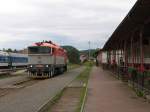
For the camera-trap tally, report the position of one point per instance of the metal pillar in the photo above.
(142, 58)
(141, 52)
(132, 52)
(125, 54)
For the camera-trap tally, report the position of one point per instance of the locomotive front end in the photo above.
(41, 61)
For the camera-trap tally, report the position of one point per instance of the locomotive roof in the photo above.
(48, 44)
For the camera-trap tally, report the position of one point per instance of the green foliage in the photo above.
(140, 93)
(140, 75)
(131, 70)
(73, 54)
(15, 51)
(147, 73)
(95, 53)
(72, 66)
(83, 92)
(84, 77)
(10, 50)
(89, 63)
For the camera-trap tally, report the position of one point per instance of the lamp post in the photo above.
(89, 49)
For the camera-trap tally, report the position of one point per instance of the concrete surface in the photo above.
(31, 98)
(107, 94)
(12, 80)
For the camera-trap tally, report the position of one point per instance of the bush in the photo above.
(73, 54)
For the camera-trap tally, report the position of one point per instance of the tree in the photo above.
(95, 53)
(9, 50)
(73, 54)
(15, 51)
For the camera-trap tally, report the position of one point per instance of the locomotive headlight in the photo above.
(47, 66)
(31, 66)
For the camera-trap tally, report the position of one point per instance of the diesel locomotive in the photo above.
(46, 59)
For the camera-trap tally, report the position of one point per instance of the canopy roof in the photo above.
(138, 16)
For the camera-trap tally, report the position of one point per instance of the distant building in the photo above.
(83, 58)
(24, 51)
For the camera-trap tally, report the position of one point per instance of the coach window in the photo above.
(1, 60)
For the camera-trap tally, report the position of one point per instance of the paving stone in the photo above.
(107, 94)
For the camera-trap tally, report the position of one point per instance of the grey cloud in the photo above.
(64, 21)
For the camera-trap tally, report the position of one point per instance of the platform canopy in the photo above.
(137, 18)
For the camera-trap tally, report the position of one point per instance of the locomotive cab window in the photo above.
(39, 50)
(52, 50)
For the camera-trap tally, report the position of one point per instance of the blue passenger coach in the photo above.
(9, 60)
(4, 63)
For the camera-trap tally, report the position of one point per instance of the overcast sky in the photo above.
(66, 22)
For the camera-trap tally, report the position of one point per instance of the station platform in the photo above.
(108, 94)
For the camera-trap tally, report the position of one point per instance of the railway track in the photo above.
(7, 71)
(25, 83)
(36, 94)
(1, 70)
(5, 91)
(17, 85)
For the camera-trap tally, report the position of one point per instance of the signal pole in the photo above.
(89, 49)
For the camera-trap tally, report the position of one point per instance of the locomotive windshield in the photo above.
(39, 50)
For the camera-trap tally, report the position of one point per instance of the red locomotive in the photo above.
(46, 59)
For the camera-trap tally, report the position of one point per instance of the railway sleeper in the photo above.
(48, 74)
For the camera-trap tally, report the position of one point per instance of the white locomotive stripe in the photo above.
(3, 64)
(19, 64)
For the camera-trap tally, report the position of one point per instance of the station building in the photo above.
(127, 51)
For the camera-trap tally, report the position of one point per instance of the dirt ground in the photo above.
(107, 94)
